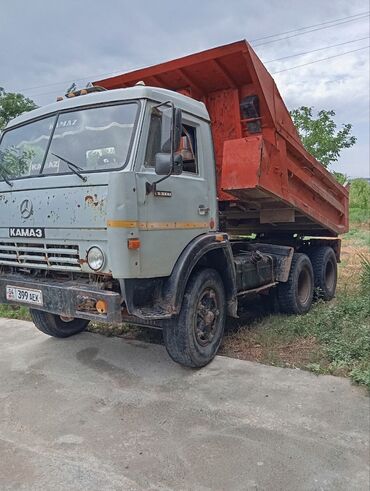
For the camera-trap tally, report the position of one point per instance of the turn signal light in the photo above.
(133, 243)
(101, 306)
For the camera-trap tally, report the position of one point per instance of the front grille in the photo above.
(59, 257)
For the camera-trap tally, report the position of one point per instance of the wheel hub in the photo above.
(206, 317)
(209, 318)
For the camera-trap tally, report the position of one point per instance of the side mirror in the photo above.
(171, 129)
(166, 161)
(164, 165)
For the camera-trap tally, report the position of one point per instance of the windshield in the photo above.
(93, 139)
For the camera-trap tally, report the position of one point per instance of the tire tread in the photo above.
(318, 256)
(286, 291)
(177, 338)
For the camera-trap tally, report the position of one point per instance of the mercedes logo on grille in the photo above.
(26, 208)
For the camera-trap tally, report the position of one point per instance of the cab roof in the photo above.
(118, 95)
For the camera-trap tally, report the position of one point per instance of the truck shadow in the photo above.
(255, 309)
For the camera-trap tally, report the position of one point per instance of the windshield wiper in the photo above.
(73, 167)
(4, 174)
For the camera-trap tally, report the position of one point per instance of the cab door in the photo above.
(183, 206)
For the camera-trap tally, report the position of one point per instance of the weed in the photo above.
(14, 312)
(365, 273)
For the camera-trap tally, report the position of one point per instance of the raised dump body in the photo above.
(267, 182)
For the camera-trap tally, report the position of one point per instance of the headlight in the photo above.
(95, 258)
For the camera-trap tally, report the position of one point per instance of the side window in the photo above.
(187, 148)
(154, 139)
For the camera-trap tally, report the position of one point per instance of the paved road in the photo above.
(97, 413)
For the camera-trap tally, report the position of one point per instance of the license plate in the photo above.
(26, 295)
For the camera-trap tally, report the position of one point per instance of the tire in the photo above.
(325, 272)
(295, 296)
(53, 325)
(194, 336)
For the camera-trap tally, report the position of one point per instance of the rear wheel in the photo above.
(57, 326)
(295, 296)
(194, 336)
(324, 264)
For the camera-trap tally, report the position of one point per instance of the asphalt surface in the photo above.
(98, 413)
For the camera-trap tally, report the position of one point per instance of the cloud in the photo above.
(48, 45)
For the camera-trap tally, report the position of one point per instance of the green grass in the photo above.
(359, 215)
(365, 273)
(14, 312)
(359, 236)
(333, 338)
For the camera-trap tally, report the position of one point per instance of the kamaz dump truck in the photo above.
(165, 197)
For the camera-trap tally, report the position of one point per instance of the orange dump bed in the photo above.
(267, 181)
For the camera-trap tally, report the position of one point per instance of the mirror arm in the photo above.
(151, 187)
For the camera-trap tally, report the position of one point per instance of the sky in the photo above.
(46, 45)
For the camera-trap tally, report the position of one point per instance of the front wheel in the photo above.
(194, 336)
(54, 325)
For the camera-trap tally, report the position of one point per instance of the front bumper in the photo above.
(69, 298)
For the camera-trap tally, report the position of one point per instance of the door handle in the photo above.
(203, 210)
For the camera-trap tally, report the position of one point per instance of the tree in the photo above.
(12, 105)
(341, 178)
(360, 194)
(319, 134)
